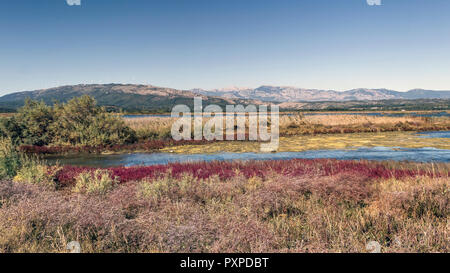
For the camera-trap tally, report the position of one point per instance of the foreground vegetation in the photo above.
(271, 206)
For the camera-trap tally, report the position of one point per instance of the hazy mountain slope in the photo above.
(119, 96)
(293, 94)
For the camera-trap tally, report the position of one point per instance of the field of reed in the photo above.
(154, 127)
(271, 206)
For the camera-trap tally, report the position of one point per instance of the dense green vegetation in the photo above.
(78, 122)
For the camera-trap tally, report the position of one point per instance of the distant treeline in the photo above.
(383, 105)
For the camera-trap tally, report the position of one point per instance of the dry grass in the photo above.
(150, 127)
(332, 120)
(335, 124)
(157, 127)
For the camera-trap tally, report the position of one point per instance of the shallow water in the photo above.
(147, 159)
(438, 134)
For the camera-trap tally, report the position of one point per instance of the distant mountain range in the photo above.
(293, 94)
(148, 98)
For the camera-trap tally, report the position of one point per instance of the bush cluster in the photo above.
(25, 169)
(78, 122)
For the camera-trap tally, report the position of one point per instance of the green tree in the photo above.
(81, 121)
(78, 122)
(32, 124)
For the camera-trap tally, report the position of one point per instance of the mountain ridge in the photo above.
(271, 93)
(148, 98)
(128, 97)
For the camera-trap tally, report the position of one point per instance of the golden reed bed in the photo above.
(315, 124)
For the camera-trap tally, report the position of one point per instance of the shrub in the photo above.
(81, 121)
(167, 185)
(32, 124)
(32, 171)
(97, 182)
(10, 160)
(153, 190)
(78, 122)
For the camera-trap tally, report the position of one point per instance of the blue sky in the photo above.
(326, 44)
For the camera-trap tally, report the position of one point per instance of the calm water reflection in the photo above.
(438, 134)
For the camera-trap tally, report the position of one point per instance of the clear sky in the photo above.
(326, 44)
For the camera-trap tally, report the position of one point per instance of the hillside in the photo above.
(116, 97)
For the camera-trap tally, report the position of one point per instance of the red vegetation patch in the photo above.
(226, 170)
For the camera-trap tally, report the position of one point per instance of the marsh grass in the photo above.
(150, 127)
(337, 124)
(158, 127)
